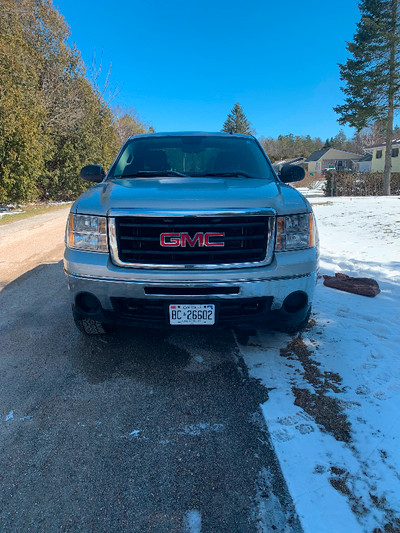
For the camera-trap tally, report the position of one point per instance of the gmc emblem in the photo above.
(174, 240)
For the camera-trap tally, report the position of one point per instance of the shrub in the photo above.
(343, 183)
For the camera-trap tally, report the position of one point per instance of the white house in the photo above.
(325, 158)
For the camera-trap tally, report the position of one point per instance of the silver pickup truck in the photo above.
(191, 229)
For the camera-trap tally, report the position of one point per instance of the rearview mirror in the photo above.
(291, 173)
(93, 173)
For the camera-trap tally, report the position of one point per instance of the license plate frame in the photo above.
(191, 314)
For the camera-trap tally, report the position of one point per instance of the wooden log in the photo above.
(363, 286)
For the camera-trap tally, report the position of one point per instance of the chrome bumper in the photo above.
(95, 273)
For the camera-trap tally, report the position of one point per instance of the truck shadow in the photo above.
(38, 303)
(153, 355)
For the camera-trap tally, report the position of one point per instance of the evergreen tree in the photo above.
(52, 120)
(21, 111)
(372, 74)
(290, 146)
(237, 122)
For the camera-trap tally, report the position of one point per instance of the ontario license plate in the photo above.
(192, 314)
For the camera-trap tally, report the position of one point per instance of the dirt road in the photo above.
(28, 243)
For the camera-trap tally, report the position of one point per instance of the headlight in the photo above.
(296, 232)
(86, 232)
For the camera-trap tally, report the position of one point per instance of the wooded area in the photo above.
(372, 73)
(53, 118)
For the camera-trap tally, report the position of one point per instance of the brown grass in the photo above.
(325, 410)
(30, 211)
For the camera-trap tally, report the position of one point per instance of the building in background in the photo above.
(378, 156)
(296, 161)
(363, 164)
(330, 158)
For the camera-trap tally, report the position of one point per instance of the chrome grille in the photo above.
(248, 240)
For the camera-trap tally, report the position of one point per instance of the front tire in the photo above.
(292, 329)
(89, 326)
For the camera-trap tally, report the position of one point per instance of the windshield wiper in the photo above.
(227, 174)
(151, 173)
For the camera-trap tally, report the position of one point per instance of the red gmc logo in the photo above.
(174, 240)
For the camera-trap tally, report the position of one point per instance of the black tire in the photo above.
(292, 329)
(89, 326)
(243, 337)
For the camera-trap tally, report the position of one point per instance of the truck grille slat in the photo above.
(187, 226)
(245, 239)
(226, 310)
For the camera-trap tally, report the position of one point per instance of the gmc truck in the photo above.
(191, 229)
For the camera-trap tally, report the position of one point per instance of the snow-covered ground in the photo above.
(334, 403)
(8, 210)
(317, 188)
(13, 210)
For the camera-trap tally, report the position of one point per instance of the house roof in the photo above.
(395, 142)
(318, 154)
(294, 161)
(367, 157)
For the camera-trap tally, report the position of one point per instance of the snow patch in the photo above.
(343, 469)
(192, 522)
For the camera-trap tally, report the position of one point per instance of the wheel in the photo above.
(292, 329)
(243, 337)
(89, 326)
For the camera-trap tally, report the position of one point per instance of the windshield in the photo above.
(192, 155)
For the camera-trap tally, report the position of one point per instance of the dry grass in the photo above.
(325, 410)
(30, 211)
(308, 180)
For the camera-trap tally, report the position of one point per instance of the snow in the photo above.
(8, 210)
(334, 395)
(14, 210)
(317, 188)
(192, 522)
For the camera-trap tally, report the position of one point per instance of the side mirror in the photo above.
(93, 173)
(290, 173)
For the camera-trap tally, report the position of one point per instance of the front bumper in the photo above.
(257, 294)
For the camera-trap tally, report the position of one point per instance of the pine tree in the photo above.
(237, 122)
(372, 74)
(52, 120)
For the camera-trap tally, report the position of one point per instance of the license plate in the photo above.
(192, 314)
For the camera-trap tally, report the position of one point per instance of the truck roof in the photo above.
(189, 133)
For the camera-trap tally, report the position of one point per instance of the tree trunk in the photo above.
(388, 154)
(391, 93)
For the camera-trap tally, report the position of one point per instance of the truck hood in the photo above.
(172, 193)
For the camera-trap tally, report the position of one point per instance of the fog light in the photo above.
(87, 302)
(295, 301)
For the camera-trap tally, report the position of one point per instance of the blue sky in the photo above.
(183, 64)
